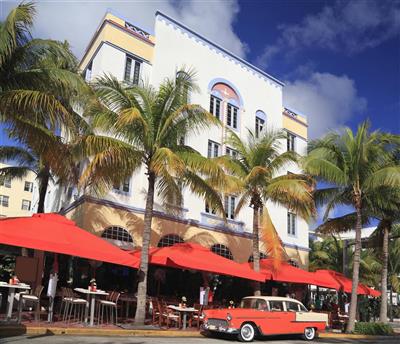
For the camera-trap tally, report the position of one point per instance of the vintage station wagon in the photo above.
(265, 315)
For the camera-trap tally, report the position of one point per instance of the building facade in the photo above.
(17, 196)
(238, 93)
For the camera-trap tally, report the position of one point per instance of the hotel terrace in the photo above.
(238, 93)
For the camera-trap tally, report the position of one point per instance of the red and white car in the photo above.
(263, 316)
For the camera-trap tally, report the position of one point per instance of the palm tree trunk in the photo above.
(356, 267)
(43, 185)
(256, 248)
(144, 259)
(384, 272)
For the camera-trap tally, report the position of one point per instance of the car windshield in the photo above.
(254, 303)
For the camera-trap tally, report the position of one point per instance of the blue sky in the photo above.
(340, 60)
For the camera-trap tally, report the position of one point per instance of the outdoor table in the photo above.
(183, 311)
(91, 299)
(11, 294)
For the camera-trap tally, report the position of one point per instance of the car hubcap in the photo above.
(247, 332)
(309, 333)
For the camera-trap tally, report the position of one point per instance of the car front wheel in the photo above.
(309, 333)
(247, 333)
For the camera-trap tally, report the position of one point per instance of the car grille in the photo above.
(217, 322)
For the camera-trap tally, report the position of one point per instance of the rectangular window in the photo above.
(26, 205)
(231, 116)
(88, 73)
(291, 223)
(291, 142)
(210, 210)
(230, 204)
(28, 186)
(123, 187)
(215, 106)
(213, 149)
(6, 182)
(4, 200)
(259, 126)
(132, 76)
(231, 152)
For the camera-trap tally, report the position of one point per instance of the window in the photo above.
(232, 116)
(117, 233)
(170, 240)
(181, 140)
(294, 263)
(28, 186)
(260, 123)
(123, 187)
(251, 303)
(276, 306)
(213, 149)
(215, 106)
(132, 75)
(231, 152)
(291, 142)
(262, 256)
(26, 205)
(210, 210)
(4, 200)
(88, 72)
(222, 251)
(292, 307)
(5, 181)
(291, 223)
(230, 204)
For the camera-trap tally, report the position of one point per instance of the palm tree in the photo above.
(38, 78)
(255, 176)
(144, 128)
(354, 164)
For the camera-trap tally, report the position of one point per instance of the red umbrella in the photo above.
(55, 233)
(286, 272)
(372, 292)
(196, 257)
(343, 283)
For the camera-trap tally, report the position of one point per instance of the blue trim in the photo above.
(215, 81)
(214, 45)
(261, 114)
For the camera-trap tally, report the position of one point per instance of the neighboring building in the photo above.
(239, 94)
(17, 195)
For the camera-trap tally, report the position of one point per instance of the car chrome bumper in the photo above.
(220, 329)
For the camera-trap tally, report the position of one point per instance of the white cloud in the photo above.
(77, 21)
(328, 100)
(349, 27)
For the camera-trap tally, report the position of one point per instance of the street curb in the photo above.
(50, 331)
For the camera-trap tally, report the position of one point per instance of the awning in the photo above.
(196, 257)
(55, 233)
(373, 292)
(342, 282)
(285, 272)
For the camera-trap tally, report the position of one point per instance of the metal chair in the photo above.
(33, 298)
(74, 307)
(198, 315)
(168, 315)
(110, 305)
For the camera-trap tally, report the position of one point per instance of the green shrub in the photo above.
(370, 328)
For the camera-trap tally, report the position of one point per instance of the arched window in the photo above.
(262, 256)
(224, 99)
(222, 250)
(293, 262)
(169, 240)
(118, 236)
(260, 122)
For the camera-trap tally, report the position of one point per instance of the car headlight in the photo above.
(228, 317)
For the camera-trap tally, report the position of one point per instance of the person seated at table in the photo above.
(231, 304)
(182, 304)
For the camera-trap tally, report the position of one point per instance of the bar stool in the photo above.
(109, 304)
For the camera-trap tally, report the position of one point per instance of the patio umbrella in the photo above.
(55, 233)
(196, 257)
(342, 282)
(288, 273)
